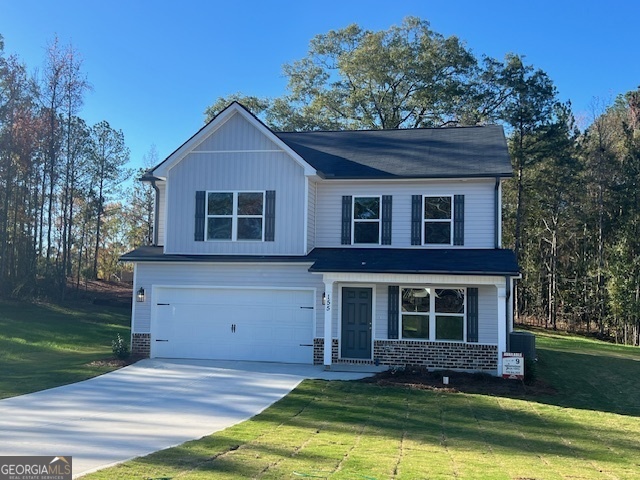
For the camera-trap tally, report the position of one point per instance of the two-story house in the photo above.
(366, 247)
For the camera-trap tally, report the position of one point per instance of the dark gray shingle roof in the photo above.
(413, 153)
(417, 261)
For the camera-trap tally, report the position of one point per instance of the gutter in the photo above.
(509, 315)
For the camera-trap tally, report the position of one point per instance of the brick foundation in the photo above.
(432, 355)
(141, 345)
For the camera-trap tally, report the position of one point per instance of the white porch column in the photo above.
(502, 324)
(328, 338)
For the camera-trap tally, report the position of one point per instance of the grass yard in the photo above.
(590, 429)
(44, 346)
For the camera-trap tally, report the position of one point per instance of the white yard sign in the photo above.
(512, 365)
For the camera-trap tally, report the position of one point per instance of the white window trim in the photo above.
(437, 220)
(234, 216)
(360, 220)
(432, 313)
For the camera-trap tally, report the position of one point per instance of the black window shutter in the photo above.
(458, 220)
(200, 205)
(416, 219)
(392, 310)
(270, 216)
(386, 219)
(472, 314)
(346, 220)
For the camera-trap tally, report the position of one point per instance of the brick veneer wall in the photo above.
(141, 345)
(432, 355)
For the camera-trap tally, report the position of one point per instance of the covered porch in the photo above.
(451, 320)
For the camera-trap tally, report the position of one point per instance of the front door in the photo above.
(356, 323)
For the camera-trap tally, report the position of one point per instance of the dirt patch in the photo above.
(113, 362)
(101, 292)
(422, 379)
(109, 362)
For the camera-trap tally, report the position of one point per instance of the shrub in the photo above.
(120, 348)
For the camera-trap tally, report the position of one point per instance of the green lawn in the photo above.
(590, 429)
(44, 346)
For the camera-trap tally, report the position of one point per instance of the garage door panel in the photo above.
(234, 324)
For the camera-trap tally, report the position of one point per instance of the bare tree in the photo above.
(109, 155)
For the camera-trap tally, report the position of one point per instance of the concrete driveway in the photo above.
(145, 407)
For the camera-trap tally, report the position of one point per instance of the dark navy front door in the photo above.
(356, 323)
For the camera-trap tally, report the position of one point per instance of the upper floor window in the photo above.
(366, 220)
(438, 220)
(235, 216)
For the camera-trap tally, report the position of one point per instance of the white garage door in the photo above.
(233, 324)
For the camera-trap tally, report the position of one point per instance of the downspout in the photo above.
(496, 209)
(156, 212)
(509, 315)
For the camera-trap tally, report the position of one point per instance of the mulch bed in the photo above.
(422, 379)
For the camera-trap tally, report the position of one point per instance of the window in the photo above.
(366, 220)
(415, 307)
(438, 220)
(235, 215)
(433, 313)
(449, 313)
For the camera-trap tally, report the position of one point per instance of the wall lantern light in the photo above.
(324, 298)
(140, 295)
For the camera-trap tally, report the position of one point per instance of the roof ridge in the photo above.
(453, 127)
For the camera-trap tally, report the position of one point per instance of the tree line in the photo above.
(61, 207)
(571, 210)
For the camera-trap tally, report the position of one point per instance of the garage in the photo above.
(254, 324)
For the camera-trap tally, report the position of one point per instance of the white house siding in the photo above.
(381, 321)
(223, 275)
(226, 171)
(479, 218)
(487, 314)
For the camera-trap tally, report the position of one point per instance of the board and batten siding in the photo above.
(236, 134)
(236, 156)
(222, 275)
(237, 171)
(479, 217)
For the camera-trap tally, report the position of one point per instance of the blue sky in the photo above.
(156, 65)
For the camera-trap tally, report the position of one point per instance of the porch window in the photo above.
(433, 313)
(449, 313)
(415, 312)
(438, 220)
(235, 215)
(366, 220)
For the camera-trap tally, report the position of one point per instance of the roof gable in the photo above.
(237, 133)
(256, 138)
(455, 152)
